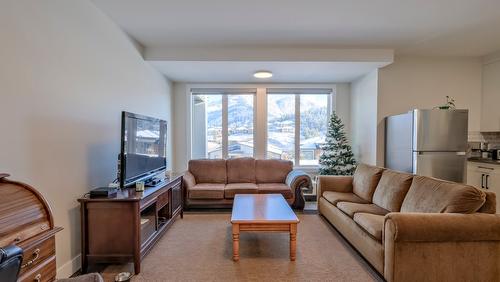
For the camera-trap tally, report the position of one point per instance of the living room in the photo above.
(71, 68)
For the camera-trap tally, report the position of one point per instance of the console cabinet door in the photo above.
(176, 198)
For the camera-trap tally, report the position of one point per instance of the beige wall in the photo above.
(181, 126)
(423, 82)
(343, 105)
(66, 72)
(364, 118)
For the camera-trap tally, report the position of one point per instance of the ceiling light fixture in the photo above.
(263, 74)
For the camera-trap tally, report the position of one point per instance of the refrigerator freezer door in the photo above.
(443, 165)
(440, 130)
(398, 142)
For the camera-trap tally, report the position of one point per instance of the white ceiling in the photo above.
(283, 72)
(418, 27)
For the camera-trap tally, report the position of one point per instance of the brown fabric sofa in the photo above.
(214, 182)
(415, 228)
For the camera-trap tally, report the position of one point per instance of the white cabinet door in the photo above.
(490, 115)
(485, 177)
(492, 183)
(474, 177)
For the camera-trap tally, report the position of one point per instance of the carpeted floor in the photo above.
(199, 248)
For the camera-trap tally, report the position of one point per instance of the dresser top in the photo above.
(24, 212)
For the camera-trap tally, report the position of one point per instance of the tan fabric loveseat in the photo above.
(415, 228)
(213, 183)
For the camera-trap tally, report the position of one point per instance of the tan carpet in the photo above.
(199, 248)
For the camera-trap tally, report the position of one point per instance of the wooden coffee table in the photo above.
(263, 213)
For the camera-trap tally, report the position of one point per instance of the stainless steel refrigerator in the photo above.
(428, 142)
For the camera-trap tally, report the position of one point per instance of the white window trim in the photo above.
(260, 128)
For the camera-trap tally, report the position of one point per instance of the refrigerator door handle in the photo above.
(486, 185)
(482, 180)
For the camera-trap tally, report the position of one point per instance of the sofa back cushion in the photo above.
(208, 171)
(430, 195)
(391, 190)
(272, 171)
(366, 178)
(240, 170)
(490, 204)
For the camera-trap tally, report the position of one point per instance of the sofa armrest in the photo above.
(296, 180)
(441, 247)
(335, 183)
(189, 180)
(442, 227)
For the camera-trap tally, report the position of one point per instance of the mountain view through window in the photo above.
(283, 126)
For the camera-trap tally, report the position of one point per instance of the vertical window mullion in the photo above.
(297, 129)
(329, 108)
(254, 125)
(225, 132)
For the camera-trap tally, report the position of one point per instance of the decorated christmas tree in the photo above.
(337, 157)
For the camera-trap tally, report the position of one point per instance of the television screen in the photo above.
(143, 148)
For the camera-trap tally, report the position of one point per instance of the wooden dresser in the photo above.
(125, 228)
(26, 221)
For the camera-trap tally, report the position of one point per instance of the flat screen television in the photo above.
(143, 148)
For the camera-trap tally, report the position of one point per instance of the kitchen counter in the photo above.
(484, 161)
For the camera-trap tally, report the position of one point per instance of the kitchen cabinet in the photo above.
(490, 115)
(486, 177)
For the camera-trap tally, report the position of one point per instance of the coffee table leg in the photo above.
(236, 242)
(293, 241)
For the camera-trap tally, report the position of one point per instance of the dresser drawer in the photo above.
(36, 254)
(45, 271)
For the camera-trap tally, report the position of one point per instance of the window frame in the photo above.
(297, 122)
(225, 119)
(260, 134)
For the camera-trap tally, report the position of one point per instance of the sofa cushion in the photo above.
(232, 189)
(371, 223)
(432, 195)
(208, 171)
(335, 197)
(352, 208)
(207, 191)
(391, 190)
(272, 171)
(366, 178)
(240, 170)
(490, 204)
(275, 188)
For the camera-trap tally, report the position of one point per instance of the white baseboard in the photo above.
(70, 267)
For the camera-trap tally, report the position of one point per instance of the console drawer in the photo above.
(162, 200)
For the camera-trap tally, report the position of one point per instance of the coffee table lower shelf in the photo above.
(264, 227)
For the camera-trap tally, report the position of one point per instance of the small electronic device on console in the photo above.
(103, 192)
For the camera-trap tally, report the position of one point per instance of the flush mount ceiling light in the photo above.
(263, 74)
